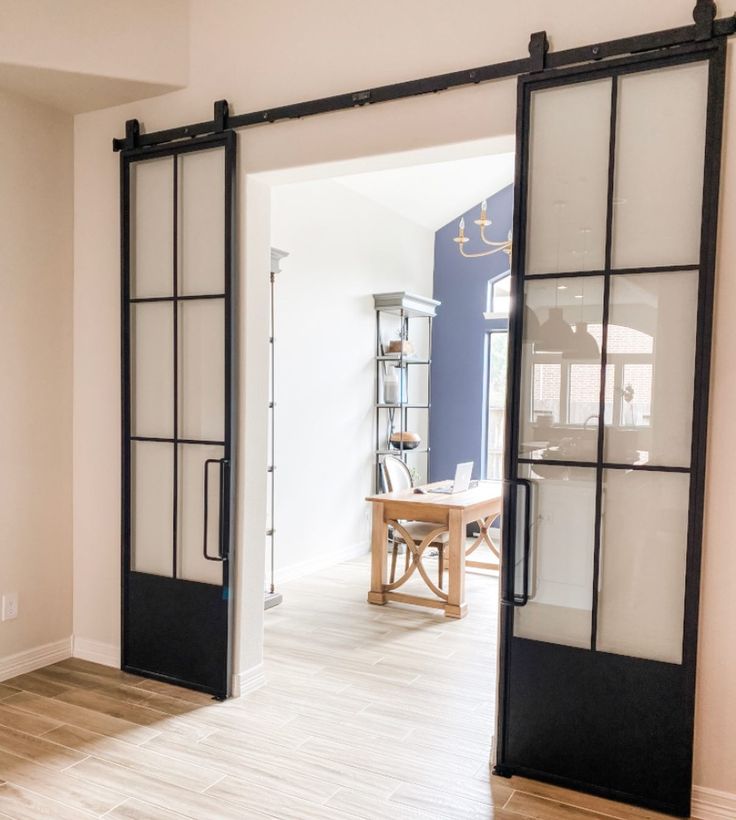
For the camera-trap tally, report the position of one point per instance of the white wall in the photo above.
(35, 374)
(255, 58)
(342, 248)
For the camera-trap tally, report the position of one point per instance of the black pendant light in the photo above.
(555, 335)
(584, 345)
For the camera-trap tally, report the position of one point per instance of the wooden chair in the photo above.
(397, 477)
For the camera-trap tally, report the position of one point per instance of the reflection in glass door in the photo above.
(498, 304)
(608, 382)
(497, 356)
(177, 210)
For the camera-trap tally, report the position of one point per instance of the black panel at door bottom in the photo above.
(176, 630)
(603, 722)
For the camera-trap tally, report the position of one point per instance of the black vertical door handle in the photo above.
(222, 552)
(510, 596)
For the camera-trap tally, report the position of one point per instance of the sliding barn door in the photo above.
(616, 208)
(177, 338)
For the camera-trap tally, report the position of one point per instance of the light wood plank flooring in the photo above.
(369, 712)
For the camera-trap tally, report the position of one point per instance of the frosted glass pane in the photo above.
(568, 177)
(651, 342)
(561, 369)
(152, 227)
(152, 377)
(202, 369)
(561, 572)
(192, 564)
(152, 507)
(202, 222)
(660, 152)
(643, 564)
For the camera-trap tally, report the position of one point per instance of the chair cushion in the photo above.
(420, 529)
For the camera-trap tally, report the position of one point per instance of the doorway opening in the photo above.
(340, 239)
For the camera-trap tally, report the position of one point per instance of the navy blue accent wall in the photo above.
(459, 339)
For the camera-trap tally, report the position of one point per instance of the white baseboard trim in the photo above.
(106, 654)
(36, 658)
(248, 681)
(711, 804)
(320, 562)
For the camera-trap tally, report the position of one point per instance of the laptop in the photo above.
(462, 480)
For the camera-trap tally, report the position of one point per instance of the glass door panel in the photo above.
(152, 376)
(152, 511)
(152, 228)
(568, 169)
(202, 222)
(641, 599)
(561, 560)
(202, 385)
(660, 146)
(561, 369)
(652, 340)
(193, 566)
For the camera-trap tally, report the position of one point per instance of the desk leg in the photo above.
(456, 606)
(379, 541)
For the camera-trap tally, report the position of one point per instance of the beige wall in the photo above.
(99, 37)
(35, 372)
(318, 47)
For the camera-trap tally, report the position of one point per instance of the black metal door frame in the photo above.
(192, 617)
(518, 652)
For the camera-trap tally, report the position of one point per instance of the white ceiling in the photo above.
(433, 194)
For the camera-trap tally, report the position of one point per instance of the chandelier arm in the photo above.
(481, 253)
(490, 242)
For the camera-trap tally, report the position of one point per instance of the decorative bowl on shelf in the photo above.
(400, 346)
(405, 440)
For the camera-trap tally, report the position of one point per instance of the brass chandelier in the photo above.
(483, 223)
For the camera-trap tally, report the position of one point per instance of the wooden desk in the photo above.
(451, 514)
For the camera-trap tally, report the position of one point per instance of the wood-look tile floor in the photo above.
(369, 712)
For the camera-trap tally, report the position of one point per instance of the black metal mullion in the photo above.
(125, 444)
(169, 440)
(192, 298)
(607, 465)
(708, 238)
(579, 274)
(227, 492)
(175, 306)
(604, 355)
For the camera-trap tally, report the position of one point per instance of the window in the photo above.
(546, 393)
(499, 297)
(583, 396)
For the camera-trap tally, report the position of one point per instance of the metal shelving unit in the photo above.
(271, 597)
(393, 418)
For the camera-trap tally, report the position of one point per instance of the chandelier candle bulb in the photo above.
(483, 222)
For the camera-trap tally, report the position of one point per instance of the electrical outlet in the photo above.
(10, 606)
